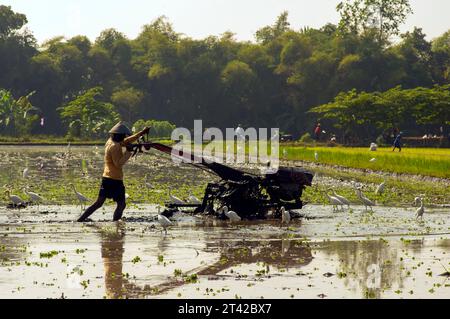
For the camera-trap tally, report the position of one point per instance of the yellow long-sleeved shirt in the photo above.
(115, 158)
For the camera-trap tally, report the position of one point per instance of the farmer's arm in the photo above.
(118, 157)
(134, 138)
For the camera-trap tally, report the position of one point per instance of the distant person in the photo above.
(317, 132)
(398, 142)
(112, 180)
(394, 134)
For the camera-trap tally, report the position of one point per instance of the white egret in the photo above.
(285, 216)
(193, 200)
(175, 200)
(233, 216)
(16, 200)
(366, 202)
(334, 201)
(421, 210)
(164, 221)
(81, 198)
(417, 201)
(316, 156)
(344, 200)
(25, 173)
(34, 198)
(380, 188)
(373, 160)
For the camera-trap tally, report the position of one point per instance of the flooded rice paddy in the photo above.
(347, 254)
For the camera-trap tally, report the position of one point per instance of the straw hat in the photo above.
(120, 128)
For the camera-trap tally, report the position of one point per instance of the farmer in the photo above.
(398, 142)
(112, 181)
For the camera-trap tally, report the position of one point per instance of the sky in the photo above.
(199, 18)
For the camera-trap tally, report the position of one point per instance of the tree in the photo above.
(88, 116)
(269, 33)
(10, 21)
(108, 38)
(384, 16)
(441, 58)
(16, 49)
(417, 56)
(159, 129)
(128, 101)
(238, 81)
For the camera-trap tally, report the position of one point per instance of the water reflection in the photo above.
(376, 266)
(361, 268)
(112, 249)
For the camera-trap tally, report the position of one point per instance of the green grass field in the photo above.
(420, 161)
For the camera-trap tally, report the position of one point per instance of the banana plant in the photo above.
(17, 116)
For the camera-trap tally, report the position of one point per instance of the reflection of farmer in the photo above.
(317, 132)
(398, 142)
(112, 181)
(112, 254)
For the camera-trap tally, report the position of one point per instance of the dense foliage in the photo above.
(272, 82)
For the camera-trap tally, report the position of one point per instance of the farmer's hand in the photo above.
(129, 147)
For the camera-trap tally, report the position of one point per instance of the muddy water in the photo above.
(326, 254)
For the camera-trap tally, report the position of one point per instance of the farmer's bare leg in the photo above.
(119, 210)
(92, 208)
